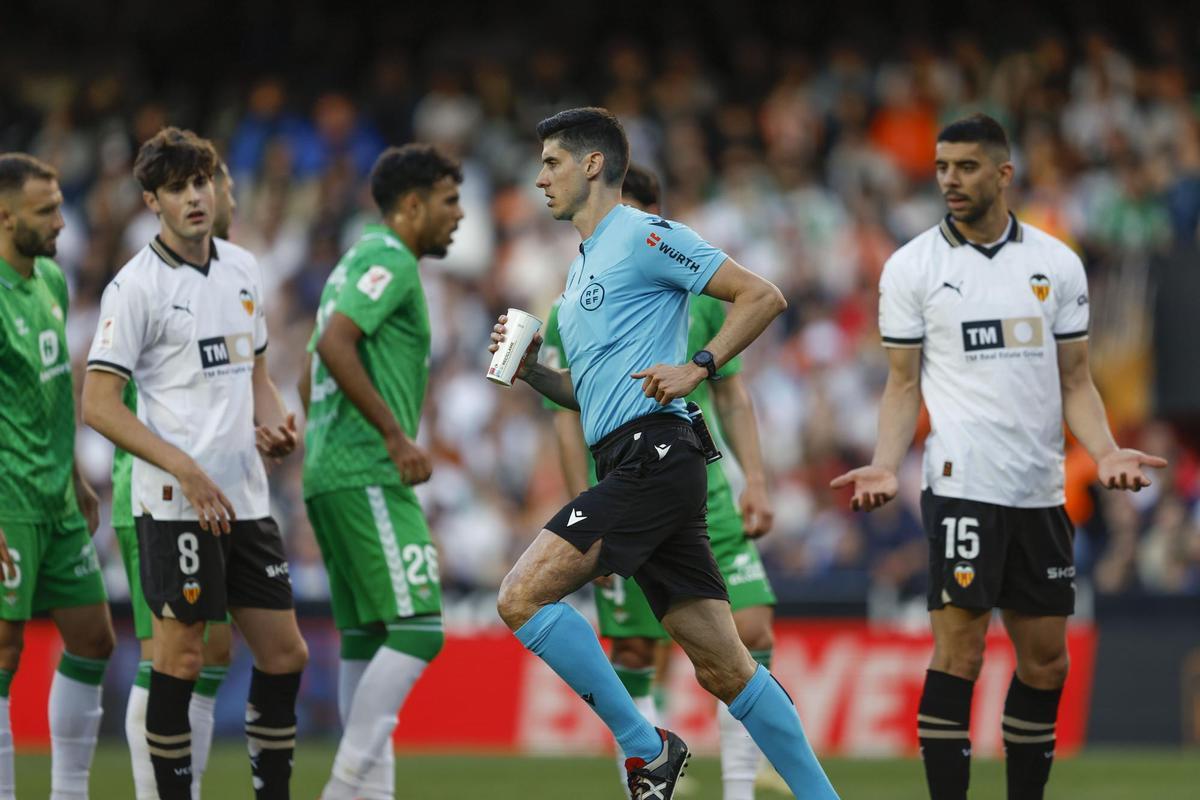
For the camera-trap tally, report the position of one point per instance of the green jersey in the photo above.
(376, 285)
(705, 317)
(37, 416)
(122, 469)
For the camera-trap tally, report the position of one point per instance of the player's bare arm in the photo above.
(104, 411)
(275, 426)
(736, 411)
(876, 484)
(572, 451)
(755, 303)
(304, 388)
(85, 496)
(1120, 468)
(338, 350)
(550, 382)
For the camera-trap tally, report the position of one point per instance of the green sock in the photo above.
(636, 681)
(420, 637)
(6, 676)
(143, 674)
(84, 670)
(360, 644)
(211, 678)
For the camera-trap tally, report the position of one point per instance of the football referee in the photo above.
(987, 319)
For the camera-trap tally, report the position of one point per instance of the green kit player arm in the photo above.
(105, 411)
(338, 351)
(736, 412)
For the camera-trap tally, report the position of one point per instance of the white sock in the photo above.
(200, 717)
(74, 725)
(740, 756)
(139, 753)
(8, 784)
(380, 782)
(650, 712)
(377, 701)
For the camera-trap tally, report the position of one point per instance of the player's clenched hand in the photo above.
(278, 442)
(413, 463)
(757, 514)
(531, 353)
(1122, 469)
(665, 382)
(8, 567)
(213, 508)
(873, 486)
(89, 504)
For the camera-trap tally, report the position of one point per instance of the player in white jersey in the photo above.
(185, 319)
(987, 318)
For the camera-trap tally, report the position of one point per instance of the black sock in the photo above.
(1029, 717)
(271, 732)
(944, 730)
(169, 735)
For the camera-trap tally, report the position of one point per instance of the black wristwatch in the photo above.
(705, 359)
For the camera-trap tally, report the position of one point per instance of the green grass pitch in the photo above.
(1097, 775)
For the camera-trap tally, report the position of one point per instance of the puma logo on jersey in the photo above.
(662, 449)
(187, 309)
(948, 285)
(575, 517)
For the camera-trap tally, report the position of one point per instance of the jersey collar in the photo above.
(377, 229)
(590, 242)
(954, 237)
(173, 259)
(11, 279)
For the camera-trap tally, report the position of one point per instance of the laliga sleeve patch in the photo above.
(374, 281)
(108, 327)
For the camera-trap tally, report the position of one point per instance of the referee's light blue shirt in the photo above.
(626, 309)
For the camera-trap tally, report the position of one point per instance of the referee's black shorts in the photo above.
(648, 510)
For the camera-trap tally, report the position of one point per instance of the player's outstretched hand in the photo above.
(531, 353)
(665, 382)
(8, 568)
(757, 513)
(276, 443)
(873, 487)
(213, 508)
(1122, 469)
(413, 463)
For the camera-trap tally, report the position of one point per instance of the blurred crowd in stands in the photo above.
(809, 167)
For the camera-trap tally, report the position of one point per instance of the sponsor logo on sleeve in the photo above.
(374, 281)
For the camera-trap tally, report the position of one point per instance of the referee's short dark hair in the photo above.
(17, 168)
(977, 128)
(641, 185)
(173, 156)
(584, 130)
(400, 170)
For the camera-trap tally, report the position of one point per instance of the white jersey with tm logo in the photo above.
(988, 320)
(188, 335)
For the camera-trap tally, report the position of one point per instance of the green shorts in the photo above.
(737, 557)
(624, 613)
(143, 619)
(56, 565)
(378, 553)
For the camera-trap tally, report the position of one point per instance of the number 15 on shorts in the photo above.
(962, 537)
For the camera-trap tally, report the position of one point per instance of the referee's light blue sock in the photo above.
(768, 714)
(561, 637)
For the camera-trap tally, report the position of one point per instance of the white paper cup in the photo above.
(518, 333)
